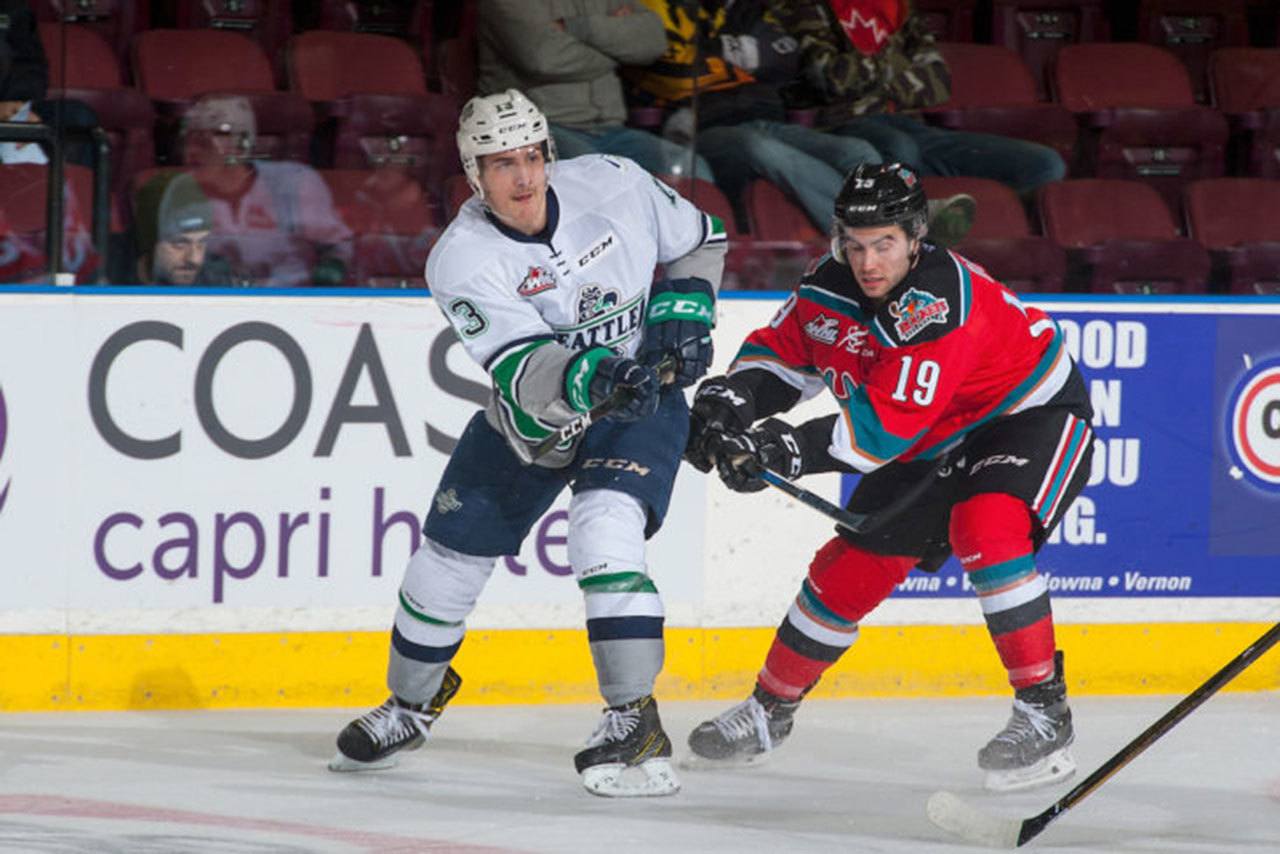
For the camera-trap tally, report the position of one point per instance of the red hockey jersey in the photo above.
(948, 350)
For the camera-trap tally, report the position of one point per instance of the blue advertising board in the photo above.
(1184, 493)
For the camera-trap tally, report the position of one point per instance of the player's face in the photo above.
(879, 257)
(179, 258)
(515, 187)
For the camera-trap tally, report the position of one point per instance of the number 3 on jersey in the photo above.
(471, 320)
(922, 382)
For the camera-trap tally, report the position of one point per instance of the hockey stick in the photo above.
(855, 522)
(617, 398)
(858, 523)
(951, 813)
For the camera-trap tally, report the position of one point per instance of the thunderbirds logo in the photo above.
(537, 280)
(595, 300)
(603, 319)
(823, 328)
(4, 430)
(916, 310)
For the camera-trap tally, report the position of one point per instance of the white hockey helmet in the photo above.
(493, 123)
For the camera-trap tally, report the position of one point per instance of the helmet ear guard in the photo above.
(490, 124)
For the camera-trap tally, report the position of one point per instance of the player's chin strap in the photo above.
(569, 432)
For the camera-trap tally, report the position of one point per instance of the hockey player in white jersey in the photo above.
(547, 275)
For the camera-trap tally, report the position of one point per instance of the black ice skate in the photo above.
(1031, 750)
(747, 732)
(372, 740)
(629, 736)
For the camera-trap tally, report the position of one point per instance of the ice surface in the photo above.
(854, 777)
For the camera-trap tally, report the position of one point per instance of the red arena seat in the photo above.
(783, 240)
(89, 72)
(1001, 239)
(392, 220)
(1037, 29)
(176, 67)
(1191, 30)
(1138, 116)
(1245, 85)
(1120, 237)
(1223, 215)
(371, 94)
(992, 91)
(115, 20)
(268, 22)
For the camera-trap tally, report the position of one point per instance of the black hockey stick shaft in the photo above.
(620, 396)
(858, 523)
(1031, 827)
(855, 522)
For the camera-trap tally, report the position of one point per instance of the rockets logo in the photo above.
(537, 280)
(823, 329)
(916, 310)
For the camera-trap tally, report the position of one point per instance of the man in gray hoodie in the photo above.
(564, 54)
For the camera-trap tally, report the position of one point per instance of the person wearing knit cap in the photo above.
(173, 221)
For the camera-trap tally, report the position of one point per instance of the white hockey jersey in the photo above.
(523, 305)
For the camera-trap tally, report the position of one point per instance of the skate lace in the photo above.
(392, 722)
(615, 725)
(1027, 720)
(746, 719)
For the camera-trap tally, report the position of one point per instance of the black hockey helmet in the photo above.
(876, 194)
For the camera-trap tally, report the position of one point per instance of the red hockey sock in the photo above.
(991, 536)
(844, 584)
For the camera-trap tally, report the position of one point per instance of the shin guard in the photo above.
(991, 535)
(844, 584)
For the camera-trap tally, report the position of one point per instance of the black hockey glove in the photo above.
(774, 445)
(721, 405)
(678, 322)
(595, 374)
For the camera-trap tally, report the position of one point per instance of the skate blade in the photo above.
(696, 762)
(1054, 768)
(342, 762)
(650, 779)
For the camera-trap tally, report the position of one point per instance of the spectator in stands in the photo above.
(726, 62)
(24, 77)
(564, 55)
(723, 64)
(172, 222)
(867, 64)
(273, 222)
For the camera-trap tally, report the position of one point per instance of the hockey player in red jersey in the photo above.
(940, 373)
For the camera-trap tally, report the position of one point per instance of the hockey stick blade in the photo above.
(571, 430)
(954, 815)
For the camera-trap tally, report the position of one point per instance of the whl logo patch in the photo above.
(916, 310)
(823, 328)
(4, 431)
(537, 280)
